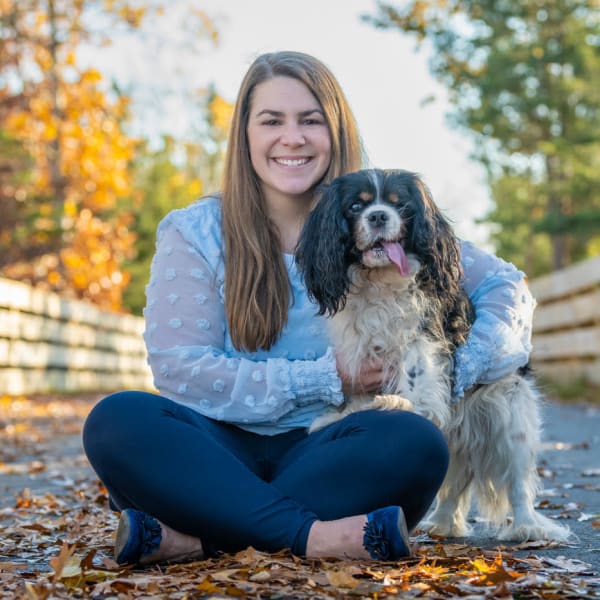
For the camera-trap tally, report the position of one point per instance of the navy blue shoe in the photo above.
(386, 534)
(138, 536)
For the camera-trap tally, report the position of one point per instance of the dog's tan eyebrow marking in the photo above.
(393, 197)
(366, 196)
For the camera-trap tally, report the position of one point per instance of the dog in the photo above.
(379, 258)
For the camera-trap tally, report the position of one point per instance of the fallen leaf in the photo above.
(60, 562)
(341, 578)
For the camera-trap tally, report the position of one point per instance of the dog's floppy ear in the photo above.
(438, 250)
(433, 240)
(322, 252)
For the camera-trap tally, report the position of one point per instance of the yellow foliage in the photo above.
(177, 179)
(220, 112)
(70, 206)
(79, 137)
(206, 25)
(54, 278)
(73, 131)
(195, 188)
(538, 52)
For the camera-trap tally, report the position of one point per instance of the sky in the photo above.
(383, 76)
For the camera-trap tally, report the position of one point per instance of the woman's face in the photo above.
(289, 140)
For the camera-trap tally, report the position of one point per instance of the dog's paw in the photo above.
(446, 528)
(392, 402)
(323, 421)
(537, 528)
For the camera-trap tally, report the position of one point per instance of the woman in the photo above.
(221, 458)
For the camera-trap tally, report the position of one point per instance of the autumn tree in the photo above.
(523, 78)
(72, 238)
(71, 196)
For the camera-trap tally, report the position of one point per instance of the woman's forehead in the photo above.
(282, 94)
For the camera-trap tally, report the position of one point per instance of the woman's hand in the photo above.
(368, 379)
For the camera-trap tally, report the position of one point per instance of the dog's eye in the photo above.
(355, 207)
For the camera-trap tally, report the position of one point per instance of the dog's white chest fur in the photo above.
(384, 319)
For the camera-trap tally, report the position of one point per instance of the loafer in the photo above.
(386, 534)
(138, 536)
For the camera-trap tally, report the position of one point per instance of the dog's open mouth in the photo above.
(394, 252)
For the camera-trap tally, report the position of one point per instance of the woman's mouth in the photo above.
(292, 162)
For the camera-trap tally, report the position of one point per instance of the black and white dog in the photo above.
(379, 257)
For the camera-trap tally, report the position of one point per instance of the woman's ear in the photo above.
(322, 252)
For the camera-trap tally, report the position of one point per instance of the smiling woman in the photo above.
(222, 458)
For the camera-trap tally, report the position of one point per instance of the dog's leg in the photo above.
(529, 524)
(449, 518)
(521, 480)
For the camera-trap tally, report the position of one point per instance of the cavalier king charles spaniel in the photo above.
(378, 256)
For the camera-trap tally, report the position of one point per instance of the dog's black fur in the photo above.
(327, 248)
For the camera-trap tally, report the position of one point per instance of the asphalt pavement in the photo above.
(570, 468)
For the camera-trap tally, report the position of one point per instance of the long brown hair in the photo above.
(257, 287)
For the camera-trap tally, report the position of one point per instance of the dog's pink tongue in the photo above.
(396, 254)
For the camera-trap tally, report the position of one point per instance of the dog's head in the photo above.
(376, 219)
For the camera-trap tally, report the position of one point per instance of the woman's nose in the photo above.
(292, 135)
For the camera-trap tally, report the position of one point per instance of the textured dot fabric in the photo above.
(195, 363)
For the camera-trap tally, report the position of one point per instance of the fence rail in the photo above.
(48, 343)
(566, 324)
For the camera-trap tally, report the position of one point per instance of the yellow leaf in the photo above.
(207, 586)
(53, 278)
(60, 562)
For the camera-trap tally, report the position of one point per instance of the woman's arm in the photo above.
(500, 339)
(185, 338)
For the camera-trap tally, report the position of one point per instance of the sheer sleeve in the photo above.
(500, 339)
(185, 339)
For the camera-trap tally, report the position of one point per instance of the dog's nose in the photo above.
(378, 218)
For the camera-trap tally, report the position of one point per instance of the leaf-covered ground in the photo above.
(57, 537)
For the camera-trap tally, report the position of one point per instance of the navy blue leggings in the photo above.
(232, 488)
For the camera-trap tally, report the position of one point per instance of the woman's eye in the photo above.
(271, 122)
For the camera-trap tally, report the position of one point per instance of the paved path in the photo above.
(570, 464)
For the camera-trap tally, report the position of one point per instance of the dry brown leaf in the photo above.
(341, 578)
(60, 562)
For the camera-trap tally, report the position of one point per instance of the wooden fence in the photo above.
(566, 325)
(48, 343)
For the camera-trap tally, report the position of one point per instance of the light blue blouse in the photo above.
(271, 391)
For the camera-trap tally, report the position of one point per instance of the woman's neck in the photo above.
(288, 215)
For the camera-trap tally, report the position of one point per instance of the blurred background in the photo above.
(113, 112)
